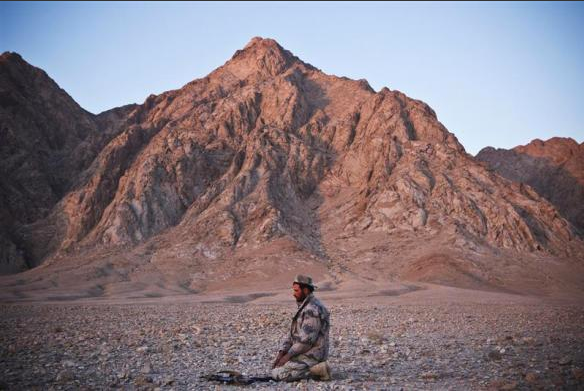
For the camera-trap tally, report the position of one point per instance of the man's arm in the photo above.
(284, 347)
(278, 358)
(286, 343)
(283, 358)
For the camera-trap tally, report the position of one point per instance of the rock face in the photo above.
(46, 139)
(46, 142)
(553, 168)
(268, 162)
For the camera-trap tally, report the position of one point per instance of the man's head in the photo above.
(302, 287)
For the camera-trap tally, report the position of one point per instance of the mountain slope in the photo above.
(268, 165)
(46, 140)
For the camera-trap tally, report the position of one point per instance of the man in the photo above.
(304, 352)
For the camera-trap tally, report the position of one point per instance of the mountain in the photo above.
(46, 139)
(553, 168)
(268, 166)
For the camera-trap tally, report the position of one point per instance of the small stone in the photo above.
(429, 376)
(509, 386)
(142, 349)
(68, 363)
(65, 376)
(565, 361)
(142, 380)
(168, 381)
(494, 355)
(531, 378)
(146, 368)
(122, 375)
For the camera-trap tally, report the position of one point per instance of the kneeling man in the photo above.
(304, 352)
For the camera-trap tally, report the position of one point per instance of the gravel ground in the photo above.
(373, 345)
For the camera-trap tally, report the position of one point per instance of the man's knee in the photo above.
(290, 372)
(278, 374)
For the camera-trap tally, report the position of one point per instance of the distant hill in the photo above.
(553, 168)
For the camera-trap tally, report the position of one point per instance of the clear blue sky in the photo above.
(498, 74)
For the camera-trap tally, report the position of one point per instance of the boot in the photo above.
(321, 371)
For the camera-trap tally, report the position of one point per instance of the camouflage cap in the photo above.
(305, 280)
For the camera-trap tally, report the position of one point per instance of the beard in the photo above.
(300, 299)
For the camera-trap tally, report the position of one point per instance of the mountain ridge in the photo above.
(553, 168)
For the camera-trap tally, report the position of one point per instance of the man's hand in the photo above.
(280, 355)
(282, 359)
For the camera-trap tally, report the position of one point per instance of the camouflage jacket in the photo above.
(309, 333)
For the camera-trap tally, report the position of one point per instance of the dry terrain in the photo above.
(151, 244)
(401, 336)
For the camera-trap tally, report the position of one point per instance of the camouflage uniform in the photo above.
(307, 342)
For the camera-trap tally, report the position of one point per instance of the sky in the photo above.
(496, 74)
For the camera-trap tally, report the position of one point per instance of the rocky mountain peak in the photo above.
(557, 149)
(265, 48)
(15, 59)
(20, 71)
(263, 56)
(10, 56)
(260, 43)
(20, 80)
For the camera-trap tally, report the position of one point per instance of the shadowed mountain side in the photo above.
(47, 145)
(553, 168)
(46, 140)
(268, 166)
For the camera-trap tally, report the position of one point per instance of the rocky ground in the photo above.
(385, 342)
